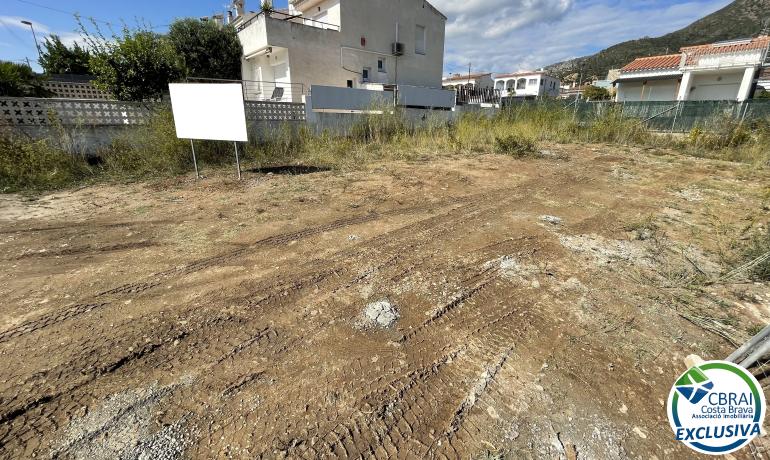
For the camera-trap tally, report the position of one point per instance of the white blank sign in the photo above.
(211, 111)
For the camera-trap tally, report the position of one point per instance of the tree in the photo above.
(135, 66)
(18, 80)
(207, 49)
(595, 93)
(57, 58)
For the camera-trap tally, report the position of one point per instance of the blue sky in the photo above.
(491, 35)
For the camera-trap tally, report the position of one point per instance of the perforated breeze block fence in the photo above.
(94, 123)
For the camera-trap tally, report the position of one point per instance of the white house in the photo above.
(344, 43)
(469, 80)
(527, 84)
(726, 70)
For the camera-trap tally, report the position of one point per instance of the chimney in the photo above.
(240, 7)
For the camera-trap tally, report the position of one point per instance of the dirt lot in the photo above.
(540, 308)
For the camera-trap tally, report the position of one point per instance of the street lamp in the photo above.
(27, 23)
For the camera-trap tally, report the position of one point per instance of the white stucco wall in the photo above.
(367, 29)
(376, 22)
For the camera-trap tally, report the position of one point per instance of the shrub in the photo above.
(37, 165)
(135, 66)
(17, 80)
(515, 145)
(207, 49)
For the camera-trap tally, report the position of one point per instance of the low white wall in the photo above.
(334, 98)
(416, 96)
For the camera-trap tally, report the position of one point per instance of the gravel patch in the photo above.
(382, 314)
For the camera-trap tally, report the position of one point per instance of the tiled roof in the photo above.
(665, 62)
(466, 76)
(731, 46)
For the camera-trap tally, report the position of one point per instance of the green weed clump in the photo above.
(27, 164)
(728, 139)
(515, 145)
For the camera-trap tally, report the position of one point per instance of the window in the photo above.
(521, 83)
(350, 83)
(366, 73)
(381, 65)
(532, 81)
(542, 82)
(419, 39)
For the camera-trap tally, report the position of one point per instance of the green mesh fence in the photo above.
(670, 116)
(680, 116)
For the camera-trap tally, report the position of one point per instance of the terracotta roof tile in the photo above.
(665, 62)
(732, 46)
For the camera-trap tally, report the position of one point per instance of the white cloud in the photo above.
(15, 21)
(509, 35)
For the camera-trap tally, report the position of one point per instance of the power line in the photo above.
(13, 34)
(71, 13)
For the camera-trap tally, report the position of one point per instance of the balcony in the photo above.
(279, 16)
(277, 29)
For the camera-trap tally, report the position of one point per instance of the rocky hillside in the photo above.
(742, 18)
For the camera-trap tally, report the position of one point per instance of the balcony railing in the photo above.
(294, 18)
(465, 95)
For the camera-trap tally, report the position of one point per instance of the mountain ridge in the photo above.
(741, 18)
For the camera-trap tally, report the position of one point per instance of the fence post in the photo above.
(676, 114)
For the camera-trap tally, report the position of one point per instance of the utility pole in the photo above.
(28, 23)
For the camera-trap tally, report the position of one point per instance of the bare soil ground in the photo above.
(538, 308)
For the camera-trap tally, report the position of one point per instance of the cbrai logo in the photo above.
(716, 408)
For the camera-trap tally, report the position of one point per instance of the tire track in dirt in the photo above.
(417, 232)
(88, 249)
(158, 278)
(55, 317)
(51, 387)
(407, 232)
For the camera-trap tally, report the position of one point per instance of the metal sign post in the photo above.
(195, 162)
(237, 160)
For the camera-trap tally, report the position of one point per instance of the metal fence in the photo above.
(473, 95)
(670, 116)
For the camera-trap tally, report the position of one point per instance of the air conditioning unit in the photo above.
(397, 49)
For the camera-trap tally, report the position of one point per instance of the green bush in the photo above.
(26, 164)
(515, 145)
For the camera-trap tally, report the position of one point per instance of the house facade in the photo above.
(344, 43)
(728, 70)
(527, 84)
